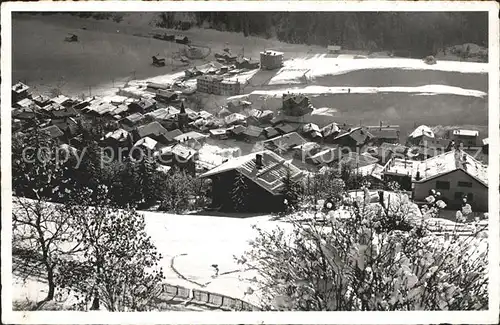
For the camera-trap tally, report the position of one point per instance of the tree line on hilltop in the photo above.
(420, 33)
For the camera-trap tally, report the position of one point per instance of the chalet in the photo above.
(193, 72)
(153, 130)
(284, 143)
(191, 138)
(53, 132)
(226, 57)
(270, 60)
(25, 103)
(180, 156)
(153, 87)
(296, 105)
(145, 147)
(469, 138)
(330, 132)
(62, 100)
(312, 131)
(271, 132)
(386, 151)
(372, 173)
(253, 133)
(486, 144)
(263, 173)
(237, 131)
(68, 125)
(64, 113)
(430, 147)
(166, 96)
(118, 139)
(244, 63)
(182, 39)
(456, 175)
(234, 119)
(354, 138)
(220, 134)
(142, 106)
(119, 110)
(306, 150)
(237, 105)
(334, 49)
(133, 119)
(417, 134)
(285, 128)
(20, 91)
(384, 134)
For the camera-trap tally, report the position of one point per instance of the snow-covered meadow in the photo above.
(295, 70)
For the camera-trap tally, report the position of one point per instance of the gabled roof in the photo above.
(422, 130)
(53, 131)
(375, 170)
(284, 142)
(192, 135)
(234, 117)
(269, 177)
(119, 135)
(20, 87)
(330, 129)
(153, 128)
(134, 118)
(466, 133)
(178, 150)
(286, 128)
(146, 142)
(253, 131)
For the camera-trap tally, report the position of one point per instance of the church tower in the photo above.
(182, 118)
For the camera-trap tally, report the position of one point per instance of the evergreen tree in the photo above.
(291, 192)
(239, 193)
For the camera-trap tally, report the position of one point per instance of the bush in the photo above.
(334, 264)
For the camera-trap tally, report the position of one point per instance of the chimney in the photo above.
(258, 161)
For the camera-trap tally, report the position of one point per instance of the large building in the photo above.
(270, 60)
(469, 138)
(296, 104)
(217, 85)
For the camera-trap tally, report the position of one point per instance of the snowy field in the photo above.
(196, 242)
(321, 90)
(295, 70)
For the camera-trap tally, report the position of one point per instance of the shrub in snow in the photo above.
(330, 263)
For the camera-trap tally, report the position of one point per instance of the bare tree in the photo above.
(42, 236)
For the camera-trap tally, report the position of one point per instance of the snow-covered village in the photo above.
(226, 161)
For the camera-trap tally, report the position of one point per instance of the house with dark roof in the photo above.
(142, 106)
(263, 173)
(64, 113)
(180, 156)
(354, 138)
(244, 63)
(118, 139)
(284, 143)
(20, 91)
(253, 133)
(270, 132)
(133, 119)
(68, 125)
(166, 96)
(41, 100)
(330, 132)
(53, 132)
(285, 128)
(155, 131)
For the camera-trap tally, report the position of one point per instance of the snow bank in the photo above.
(320, 65)
(197, 242)
(320, 90)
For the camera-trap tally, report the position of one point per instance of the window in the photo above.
(459, 195)
(441, 185)
(465, 184)
(470, 197)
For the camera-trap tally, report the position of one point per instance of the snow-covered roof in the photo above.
(375, 170)
(60, 99)
(467, 133)
(271, 52)
(119, 134)
(190, 135)
(146, 142)
(19, 87)
(439, 165)
(26, 102)
(421, 131)
(270, 176)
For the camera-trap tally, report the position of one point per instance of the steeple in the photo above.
(183, 110)
(182, 118)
